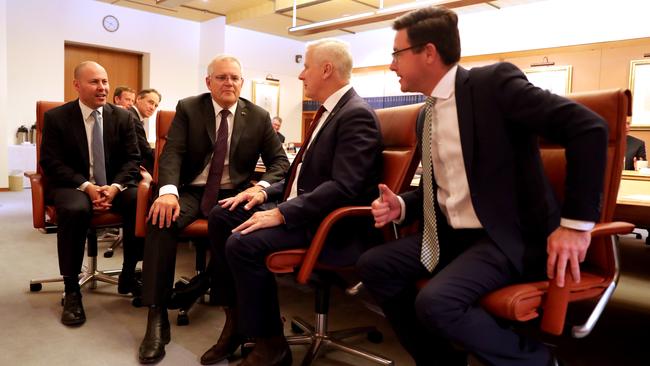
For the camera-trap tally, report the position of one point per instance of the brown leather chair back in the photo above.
(163, 123)
(42, 107)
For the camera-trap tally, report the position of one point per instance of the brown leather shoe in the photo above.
(272, 351)
(228, 342)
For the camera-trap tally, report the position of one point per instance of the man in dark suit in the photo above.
(211, 152)
(277, 123)
(145, 105)
(84, 176)
(488, 214)
(635, 149)
(338, 166)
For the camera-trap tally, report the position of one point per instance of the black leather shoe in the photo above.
(152, 348)
(73, 310)
(272, 351)
(129, 284)
(184, 296)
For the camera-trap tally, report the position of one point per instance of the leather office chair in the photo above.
(600, 271)
(196, 232)
(44, 217)
(400, 162)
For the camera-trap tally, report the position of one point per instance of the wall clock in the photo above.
(111, 23)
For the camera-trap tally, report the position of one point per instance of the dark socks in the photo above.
(71, 284)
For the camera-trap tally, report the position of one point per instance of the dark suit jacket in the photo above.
(192, 134)
(501, 116)
(635, 149)
(281, 137)
(64, 149)
(146, 152)
(342, 167)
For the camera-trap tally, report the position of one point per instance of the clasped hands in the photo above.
(565, 247)
(101, 196)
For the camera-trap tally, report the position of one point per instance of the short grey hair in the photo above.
(335, 51)
(223, 57)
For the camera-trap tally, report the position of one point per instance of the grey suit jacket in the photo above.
(192, 135)
(64, 149)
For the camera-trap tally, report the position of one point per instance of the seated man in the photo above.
(145, 105)
(124, 97)
(89, 156)
(212, 148)
(635, 149)
(338, 165)
(488, 215)
(277, 123)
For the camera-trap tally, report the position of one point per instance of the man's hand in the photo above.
(109, 192)
(164, 210)
(260, 220)
(566, 247)
(386, 208)
(96, 197)
(250, 195)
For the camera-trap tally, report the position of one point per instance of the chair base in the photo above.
(89, 276)
(115, 238)
(319, 338)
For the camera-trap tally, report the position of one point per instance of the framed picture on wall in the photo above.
(266, 94)
(556, 79)
(640, 87)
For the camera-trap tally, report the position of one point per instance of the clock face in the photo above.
(110, 23)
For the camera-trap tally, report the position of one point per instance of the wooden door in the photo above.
(123, 68)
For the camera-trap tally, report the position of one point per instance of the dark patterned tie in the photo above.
(213, 183)
(298, 159)
(430, 248)
(99, 165)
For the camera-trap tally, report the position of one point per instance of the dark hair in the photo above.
(144, 92)
(121, 89)
(435, 25)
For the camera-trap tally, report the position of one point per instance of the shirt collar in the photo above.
(447, 85)
(137, 111)
(87, 111)
(333, 99)
(218, 108)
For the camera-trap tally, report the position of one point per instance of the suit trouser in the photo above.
(446, 309)
(158, 266)
(239, 267)
(74, 210)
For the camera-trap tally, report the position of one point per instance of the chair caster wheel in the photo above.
(375, 336)
(35, 287)
(182, 320)
(296, 329)
(136, 302)
(108, 254)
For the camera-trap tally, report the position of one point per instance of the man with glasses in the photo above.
(489, 217)
(212, 148)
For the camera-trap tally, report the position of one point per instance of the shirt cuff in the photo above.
(266, 196)
(263, 184)
(577, 224)
(118, 186)
(168, 189)
(83, 186)
(402, 214)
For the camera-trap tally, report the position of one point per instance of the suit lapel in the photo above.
(211, 121)
(465, 111)
(108, 132)
(79, 131)
(344, 99)
(239, 125)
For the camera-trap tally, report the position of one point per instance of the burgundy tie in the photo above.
(298, 159)
(213, 183)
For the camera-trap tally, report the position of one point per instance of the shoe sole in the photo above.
(152, 360)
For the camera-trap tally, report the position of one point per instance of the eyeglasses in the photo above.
(397, 52)
(224, 78)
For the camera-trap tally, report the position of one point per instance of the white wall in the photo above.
(212, 43)
(4, 181)
(551, 23)
(264, 54)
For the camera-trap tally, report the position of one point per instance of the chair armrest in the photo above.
(311, 257)
(142, 205)
(38, 199)
(611, 228)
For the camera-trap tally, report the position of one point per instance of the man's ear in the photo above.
(431, 53)
(328, 69)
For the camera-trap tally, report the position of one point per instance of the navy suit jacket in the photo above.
(342, 167)
(146, 152)
(64, 149)
(635, 149)
(501, 116)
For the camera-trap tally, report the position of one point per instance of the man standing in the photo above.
(211, 152)
(124, 97)
(90, 158)
(489, 216)
(145, 105)
(338, 165)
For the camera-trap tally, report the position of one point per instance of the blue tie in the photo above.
(99, 166)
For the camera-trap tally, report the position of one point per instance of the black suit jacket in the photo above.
(281, 137)
(64, 149)
(501, 117)
(342, 167)
(192, 134)
(635, 149)
(146, 152)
